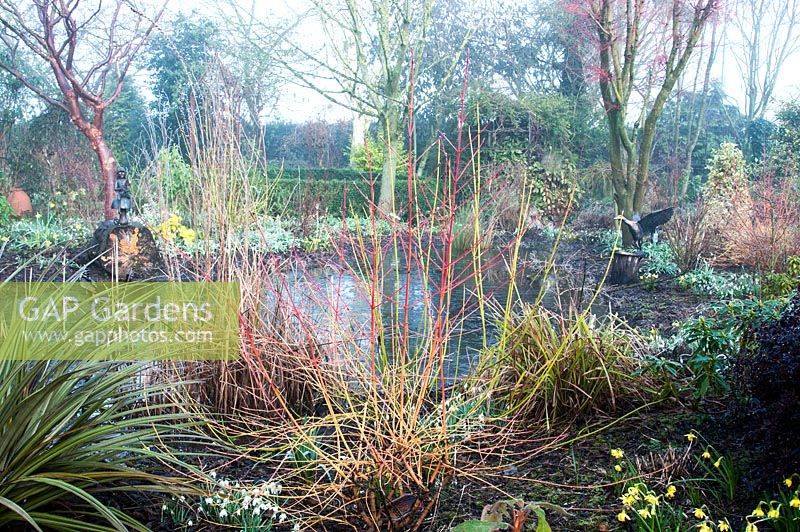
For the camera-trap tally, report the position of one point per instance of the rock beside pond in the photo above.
(127, 251)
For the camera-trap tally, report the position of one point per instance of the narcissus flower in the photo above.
(723, 526)
(645, 513)
(758, 512)
(622, 517)
(691, 437)
(795, 503)
(718, 462)
(618, 468)
(704, 528)
(671, 490)
(628, 500)
(651, 499)
(788, 482)
(706, 455)
(774, 513)
(751, 527)
(617, 453)
(699, 513)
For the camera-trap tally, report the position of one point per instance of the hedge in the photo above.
(342, 174)
(326, 196)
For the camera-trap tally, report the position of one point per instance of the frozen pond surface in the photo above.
(339, 302)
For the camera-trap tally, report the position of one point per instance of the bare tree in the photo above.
(765, 36)
(365, 63)
(643, 47)
(89, 46)
(255, 69)
(690, 114)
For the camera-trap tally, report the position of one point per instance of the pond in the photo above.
(338, 299)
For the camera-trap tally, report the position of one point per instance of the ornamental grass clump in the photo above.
(551, 368)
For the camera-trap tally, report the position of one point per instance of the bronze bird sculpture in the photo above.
(641, 228)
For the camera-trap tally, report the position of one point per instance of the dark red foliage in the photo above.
(769, 376)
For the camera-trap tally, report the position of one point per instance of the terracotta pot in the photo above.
(19, 201)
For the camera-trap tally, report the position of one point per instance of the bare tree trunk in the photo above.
(105, 157)
(695, 135)
(386, 201)
(108, 173)
(392, 140)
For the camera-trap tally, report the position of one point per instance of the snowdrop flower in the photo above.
(223, 513)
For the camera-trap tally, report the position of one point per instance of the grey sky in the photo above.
(299, 103)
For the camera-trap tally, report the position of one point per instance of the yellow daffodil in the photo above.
(751, 527)
(699, 513)
(758, 512)
(622, 517)
(704, 528)
(671, 490)
(618, 468)
(651, 499)
(718, 462)
(788, 482)
(691, 437)
(706, 455)
(188, 235)
(628, 500)
(795, 503)
(774, 513)
(644, 513)
(723, 526)
(634, 492)
(617, 453)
